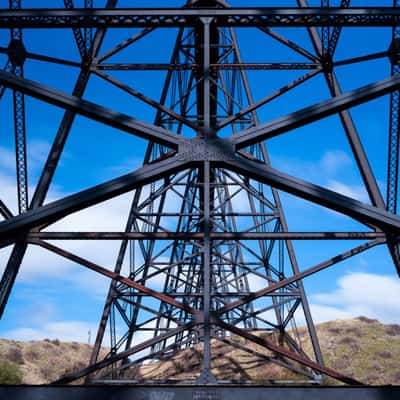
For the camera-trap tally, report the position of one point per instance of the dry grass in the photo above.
(44, 361)
(360, 347)
(363, 348)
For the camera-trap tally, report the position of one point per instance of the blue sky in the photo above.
(55, 298)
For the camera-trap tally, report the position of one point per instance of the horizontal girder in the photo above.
(184, 392)
(177, 17)
(200, 235)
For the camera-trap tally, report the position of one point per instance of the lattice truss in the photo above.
(206, 256)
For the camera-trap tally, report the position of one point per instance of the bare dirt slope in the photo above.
(360, 347)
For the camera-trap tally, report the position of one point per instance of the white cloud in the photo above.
(331, 163)
(8, 192)
(256, 282)
(321, 313)
(107, 216)
(334, 160)
(39, 264)
(371, 295)
(66, 331)
(240, 200)
(37, 151)
(356, 192)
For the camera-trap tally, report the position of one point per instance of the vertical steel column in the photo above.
(394, 127)
(325, 33)
(206, 374)
(17, 57)
(20, 144)
(88, 32)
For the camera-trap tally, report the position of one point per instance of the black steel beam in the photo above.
(185, 392)
(316, 112)
(199, 235)
(58, 209)
(91, 110)
(177, 17)
(284, 65)
(10, 273)
(353, 208)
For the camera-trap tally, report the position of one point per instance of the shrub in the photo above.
(75, 346)
(367, 320)
(10, 373)
(392, 330)
(385, 354)
(347, 340)
(355, 330)
(56, 342)
(350, 342)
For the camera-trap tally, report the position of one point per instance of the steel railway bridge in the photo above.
(207, 147)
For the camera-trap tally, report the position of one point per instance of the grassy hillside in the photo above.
(363, 348)
(43, 361)
(359, 347)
